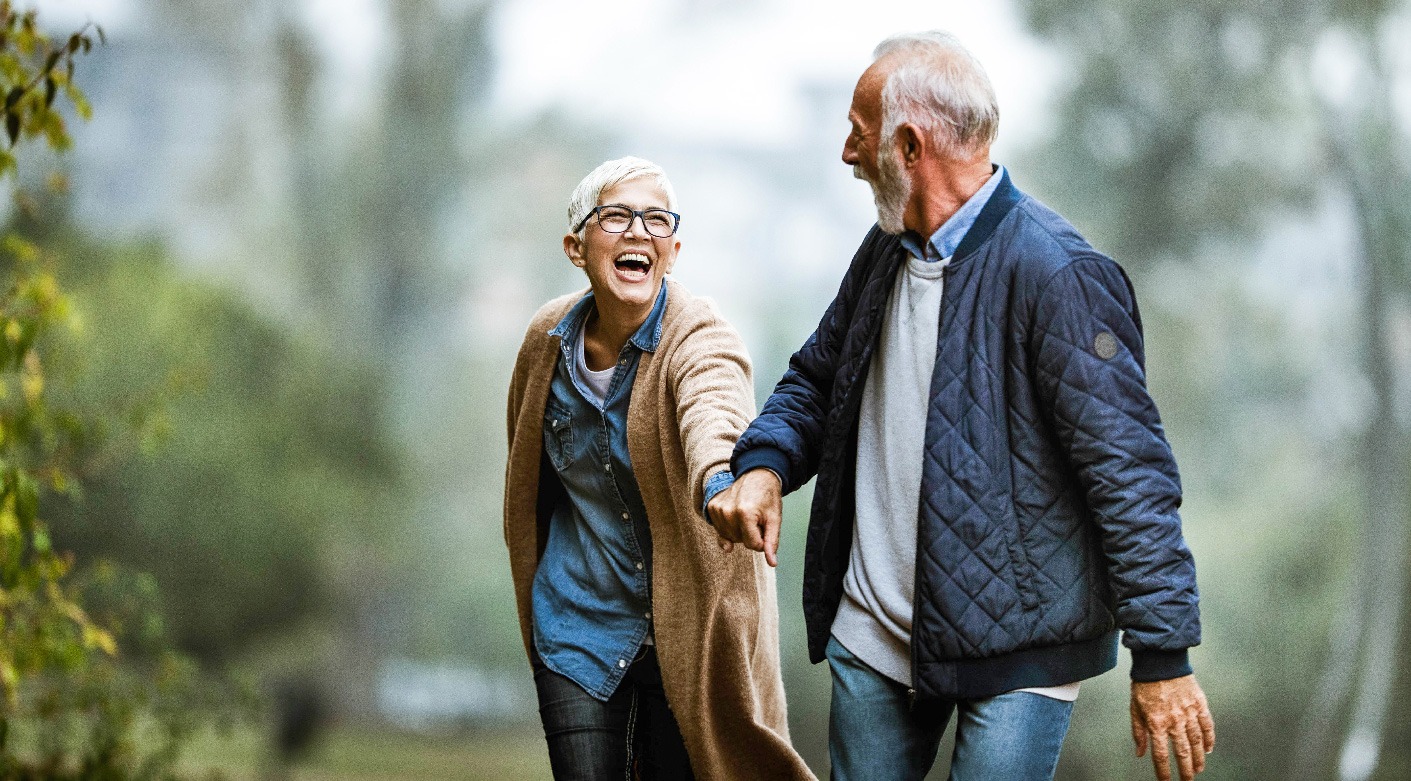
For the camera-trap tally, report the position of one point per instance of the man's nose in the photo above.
(850, 156)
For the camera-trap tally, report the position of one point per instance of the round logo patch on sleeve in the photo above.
(1105, 345)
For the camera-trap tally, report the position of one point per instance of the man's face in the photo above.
(873, 159)
(628, 267)
(865, 116)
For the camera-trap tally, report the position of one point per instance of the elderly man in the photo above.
(996, 497)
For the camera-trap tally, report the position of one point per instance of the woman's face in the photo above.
(625, 268)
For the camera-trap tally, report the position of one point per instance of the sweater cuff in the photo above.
(764, 457)
(1148, 666)
(713, 485)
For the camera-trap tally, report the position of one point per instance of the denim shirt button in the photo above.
(625, 516)
(639, 565)
(621, 662)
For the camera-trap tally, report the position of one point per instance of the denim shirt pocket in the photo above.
(558, 434)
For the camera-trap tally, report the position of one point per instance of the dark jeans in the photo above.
(631, 736)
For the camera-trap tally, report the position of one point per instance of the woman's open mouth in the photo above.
(633, 266)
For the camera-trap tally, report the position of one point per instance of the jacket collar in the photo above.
(1005, 197)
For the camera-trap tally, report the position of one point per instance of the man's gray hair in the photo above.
(608, 175)
(940, 87)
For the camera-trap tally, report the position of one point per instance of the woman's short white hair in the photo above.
(610, 174)
(940, 87)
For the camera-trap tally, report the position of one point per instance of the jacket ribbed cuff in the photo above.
(1148, 666)
(764, 457)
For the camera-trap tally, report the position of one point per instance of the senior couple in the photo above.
(995, 501)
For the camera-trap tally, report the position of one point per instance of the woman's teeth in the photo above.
(633, 261)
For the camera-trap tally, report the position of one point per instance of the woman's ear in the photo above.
(573, 248)
(671, 262)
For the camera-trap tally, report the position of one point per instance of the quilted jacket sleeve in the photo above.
(1091, 377)
(788, 434)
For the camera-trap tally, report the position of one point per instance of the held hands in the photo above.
(1174, 710)
(749, 512)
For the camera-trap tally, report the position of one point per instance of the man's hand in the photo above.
(1173, 710)
(749, 512)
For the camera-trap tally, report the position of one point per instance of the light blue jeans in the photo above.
(874, 734)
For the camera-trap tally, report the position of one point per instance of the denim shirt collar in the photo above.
(646, 339)
(947, 238)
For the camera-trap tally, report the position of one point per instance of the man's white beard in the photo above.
(890, 192)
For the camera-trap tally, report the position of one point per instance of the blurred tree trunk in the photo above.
(368, 213)
(1363, 151)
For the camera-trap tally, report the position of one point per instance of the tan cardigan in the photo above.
(716, 615)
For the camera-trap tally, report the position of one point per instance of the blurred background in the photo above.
(317, 228)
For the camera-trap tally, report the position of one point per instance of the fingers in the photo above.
(753, 537)
(771, 539)
(1185, 761)
(1196, 741)
(1138, 732)
(1161, 756)
(1207, 724)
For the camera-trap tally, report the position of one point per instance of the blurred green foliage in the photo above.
(90, 688)
(260, 457)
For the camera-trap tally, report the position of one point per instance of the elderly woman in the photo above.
(654, 654)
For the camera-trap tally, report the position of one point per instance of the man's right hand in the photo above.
(750, 512)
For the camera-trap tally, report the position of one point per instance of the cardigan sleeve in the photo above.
(714, 392)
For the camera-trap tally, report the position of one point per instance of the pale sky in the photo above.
(730, 69)
(732, 75)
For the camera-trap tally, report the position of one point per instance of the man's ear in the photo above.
(910, 143)
(573, 248)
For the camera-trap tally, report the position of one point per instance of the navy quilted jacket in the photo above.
(1049, 495)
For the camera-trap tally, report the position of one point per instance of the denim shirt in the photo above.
(592, 591)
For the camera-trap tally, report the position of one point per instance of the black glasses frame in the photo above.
(636, 214)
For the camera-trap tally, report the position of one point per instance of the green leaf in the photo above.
(26, 499)
(13, 97)
(12, 127)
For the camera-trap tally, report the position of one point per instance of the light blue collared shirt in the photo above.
(947, 237)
